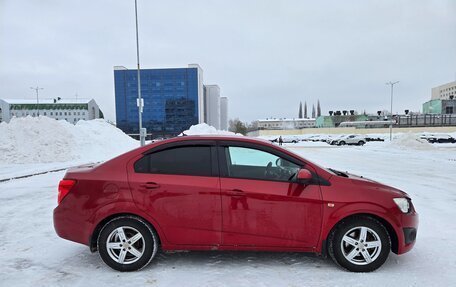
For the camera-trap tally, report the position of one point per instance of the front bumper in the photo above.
(407, 234)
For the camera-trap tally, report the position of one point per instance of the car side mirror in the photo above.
(304, 174)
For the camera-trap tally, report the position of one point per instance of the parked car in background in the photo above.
(370, 138)
(287, 139)
(349, 140)
(438, 138)
(230, 193)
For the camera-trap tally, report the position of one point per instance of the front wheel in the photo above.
(127, 243)
(341, 143)
(360, 244)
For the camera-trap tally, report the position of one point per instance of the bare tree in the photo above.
(313, 111)
(318, 108)
(300, 110)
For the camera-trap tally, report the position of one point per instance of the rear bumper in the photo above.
(407, 234)
(68, 226)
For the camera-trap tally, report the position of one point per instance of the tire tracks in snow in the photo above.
(40, 173)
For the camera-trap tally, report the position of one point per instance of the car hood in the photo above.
(373, 185)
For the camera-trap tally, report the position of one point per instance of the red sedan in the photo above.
(230, 193)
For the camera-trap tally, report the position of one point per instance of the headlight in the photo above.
(403, 204)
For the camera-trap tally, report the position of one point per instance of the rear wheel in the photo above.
(360, 244)
(127, 243)
(361, 143)
(341, 143)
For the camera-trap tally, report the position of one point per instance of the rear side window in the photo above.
(188, 160)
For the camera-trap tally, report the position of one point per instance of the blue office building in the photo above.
(173, 99)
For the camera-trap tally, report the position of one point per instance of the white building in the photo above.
(224, 113)
(444, 92)
(212, 101)
(71, 110)
(285, 124)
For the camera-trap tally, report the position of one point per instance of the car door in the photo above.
(179, 187)
(262, 203)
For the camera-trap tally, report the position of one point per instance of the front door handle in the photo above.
(150, 185)
(236, 192)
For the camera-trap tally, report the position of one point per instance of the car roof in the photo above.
(216, 137)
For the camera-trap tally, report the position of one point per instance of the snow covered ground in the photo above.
(35, 256)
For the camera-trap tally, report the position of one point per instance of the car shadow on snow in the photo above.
(223, 259)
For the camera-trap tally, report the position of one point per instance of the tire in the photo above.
(144, 247)
(361, 143)
(341, 143)
(341, 251)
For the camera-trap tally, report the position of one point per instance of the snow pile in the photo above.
(42, 139)
(411, 141)
(205, 129)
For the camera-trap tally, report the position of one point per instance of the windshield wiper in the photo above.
(339, 173)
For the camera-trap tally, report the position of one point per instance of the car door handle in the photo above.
(150, 185)
(236, 192)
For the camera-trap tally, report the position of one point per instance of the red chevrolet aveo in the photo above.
(230, 193)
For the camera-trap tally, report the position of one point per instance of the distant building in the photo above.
(446, 107)
(336, 119)
(174, 100)
(285, 124)
(224, 113)
(442, 100)
(444, 92)
(71, 110)
(212, 101)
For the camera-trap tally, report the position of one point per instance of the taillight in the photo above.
(65, 186)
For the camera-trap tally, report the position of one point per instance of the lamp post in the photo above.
(142, 131)
(37, 99)
(37, 90)
(391, 119)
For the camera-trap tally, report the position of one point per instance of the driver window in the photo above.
(256, 164)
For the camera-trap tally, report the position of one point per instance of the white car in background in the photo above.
(349, 140)
(290, 139)
(287, 139)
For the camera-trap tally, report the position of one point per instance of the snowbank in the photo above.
(205, 129)
(411, 141)
(42, 140)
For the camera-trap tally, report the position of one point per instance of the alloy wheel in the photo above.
(125, 245)
(361, 245)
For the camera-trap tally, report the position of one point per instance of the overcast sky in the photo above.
(266, 56)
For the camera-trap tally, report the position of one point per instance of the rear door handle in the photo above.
(150, 185)
(237, 192)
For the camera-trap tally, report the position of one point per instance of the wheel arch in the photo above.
(94, 236)
(391, 231)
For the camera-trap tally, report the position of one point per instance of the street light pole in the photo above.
(37, 98)
(37, 90)
(142, 132)
(391, 118)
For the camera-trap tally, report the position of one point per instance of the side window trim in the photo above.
(180, 144)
